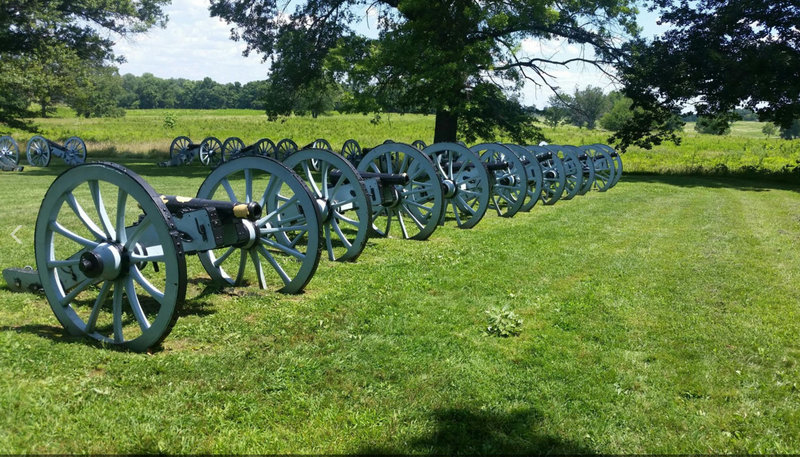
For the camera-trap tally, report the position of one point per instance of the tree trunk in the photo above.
(446, 127)
(43, 104)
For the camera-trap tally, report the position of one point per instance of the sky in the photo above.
(194, 45)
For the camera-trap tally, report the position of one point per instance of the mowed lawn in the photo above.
(659, 317)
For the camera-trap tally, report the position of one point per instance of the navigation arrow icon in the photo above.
(14, 236)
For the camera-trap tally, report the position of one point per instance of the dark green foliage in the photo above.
(716, 125)
(722, 54)
(97, 94)
(791, 132)
(148, 91)
(620, 113)
(430, 56)
(51, 48)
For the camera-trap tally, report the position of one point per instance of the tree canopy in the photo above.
(47, 47)
(717, 55)
(460, 59)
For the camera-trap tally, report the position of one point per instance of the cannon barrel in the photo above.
(226, 210)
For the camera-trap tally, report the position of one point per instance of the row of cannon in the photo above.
(111, 252)
(39, 151)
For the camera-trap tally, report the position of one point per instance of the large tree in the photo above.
(44, 42)
(716, 55)
(461, 59)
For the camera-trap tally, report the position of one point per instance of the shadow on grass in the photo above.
(144, 167)
(466, 431)
(60, 335)
(714, 182)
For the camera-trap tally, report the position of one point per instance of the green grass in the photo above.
(746, 152)
(659, 317)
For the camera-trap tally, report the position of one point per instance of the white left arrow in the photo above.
(14, 236)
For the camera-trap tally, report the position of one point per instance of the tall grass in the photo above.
(744, 152)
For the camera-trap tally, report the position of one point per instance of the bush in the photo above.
(502, 322)
(719, 124)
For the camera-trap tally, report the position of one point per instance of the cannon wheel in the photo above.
(289, 237)
(345, 209)
(211, 152)
(265, 147)
(420, 203)
(285, 148)
(319, 143)
(573, 171)
(75, 151)
(511, 184)
(322, 143)
(588, 170)
(179, 146)
(38, 151)
(469, 187)
(534, 174)
(617, 161)
(9, 149)
(419, 144)
(351, 151)
(103, 210)
(603, 167)
(553, 178)
(231, 147)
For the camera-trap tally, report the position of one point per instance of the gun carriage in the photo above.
(110, 251)
(40, 150)
(234, 147)
(182, 151)
(9, 154)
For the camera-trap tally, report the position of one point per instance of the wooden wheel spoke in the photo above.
(136, 307)
(97, 198)
(84, 218)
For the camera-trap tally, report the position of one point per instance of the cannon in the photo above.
(404, 187)
(508, 176)
(604, 166)
(587, 165)
(319, 143)
(40, 150)
(553, 176)
(234, 147)
(343, 199)
(182, 151)
(9, 154)
(111, 252)
(465, 182)
(533, 173)
(351, 151)
(285, 148)
(573, 169)
(616, 162)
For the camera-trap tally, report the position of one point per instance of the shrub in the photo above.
(502, 322)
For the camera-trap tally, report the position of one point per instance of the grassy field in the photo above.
(659, 317)
(745, 152)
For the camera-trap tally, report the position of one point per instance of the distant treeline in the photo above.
(149, 91)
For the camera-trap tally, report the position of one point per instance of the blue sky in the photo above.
(195, 45)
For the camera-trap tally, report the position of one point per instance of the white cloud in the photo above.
(193, 46)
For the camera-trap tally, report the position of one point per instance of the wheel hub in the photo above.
(106, 261)
(449, 188)
(325, 209)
